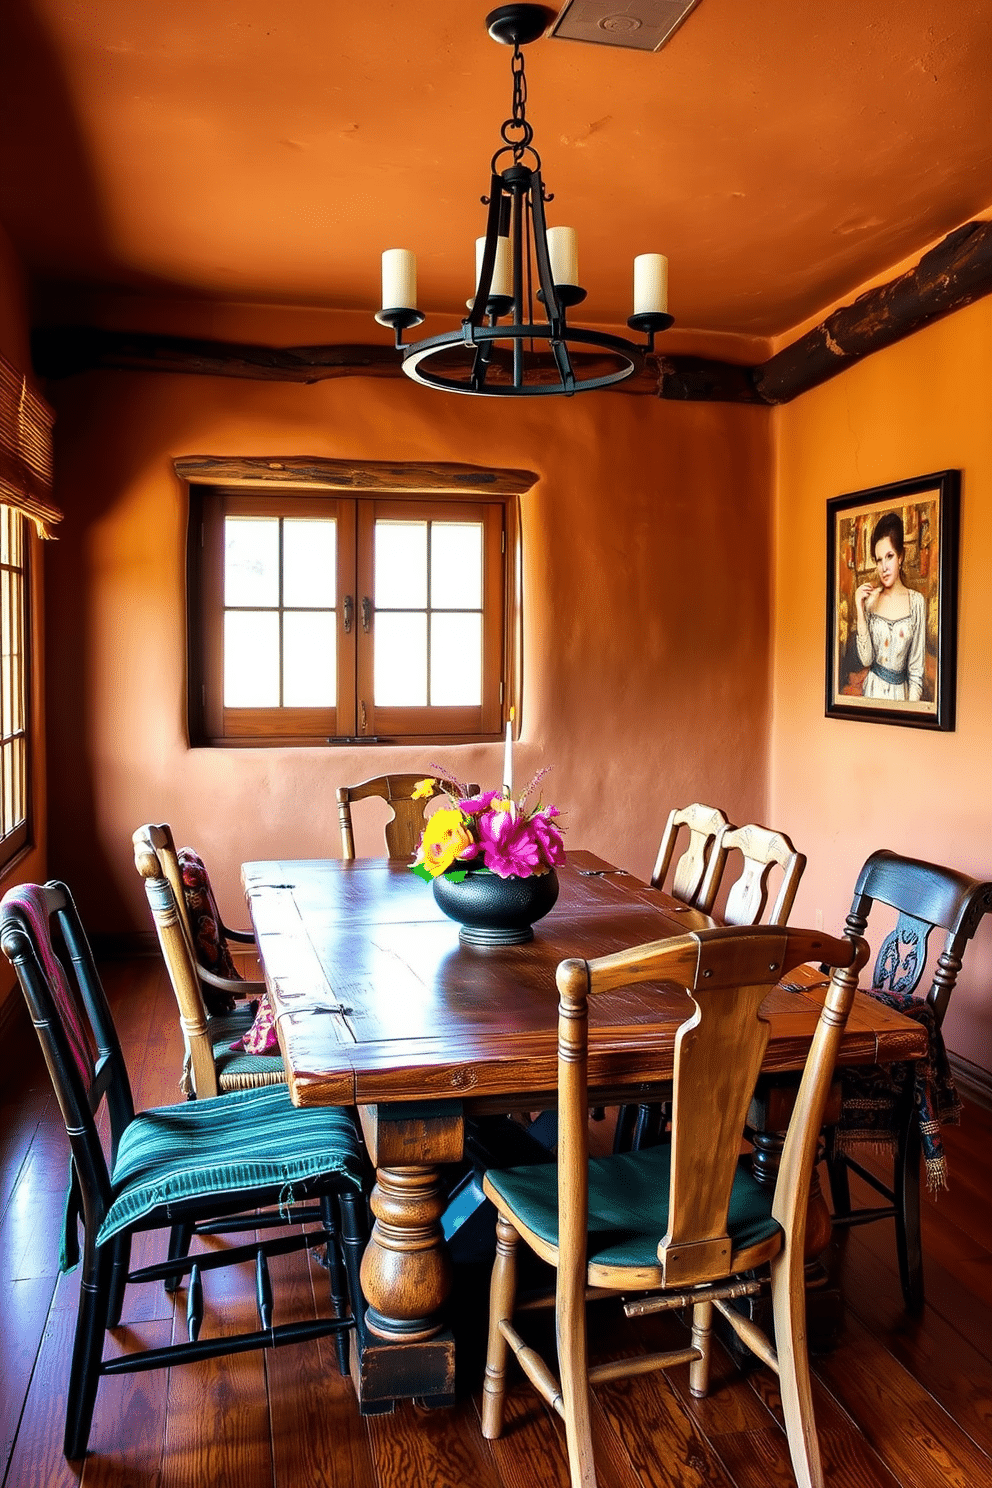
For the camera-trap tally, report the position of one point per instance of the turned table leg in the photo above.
(406, 1273)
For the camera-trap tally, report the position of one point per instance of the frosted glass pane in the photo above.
(309, 672)
(400, 565)
(251, 660)
(456, 565)
(309, 564)
(400, 661)
(456, 660)
(251, 560)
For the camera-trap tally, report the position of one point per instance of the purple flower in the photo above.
(473, 805)
(549, 839)
(509, 845)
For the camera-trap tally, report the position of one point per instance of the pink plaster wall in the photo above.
(647, 617)
(920, 406)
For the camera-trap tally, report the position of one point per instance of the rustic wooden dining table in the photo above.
(379, 1006)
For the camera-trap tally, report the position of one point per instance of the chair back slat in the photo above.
(704, 824)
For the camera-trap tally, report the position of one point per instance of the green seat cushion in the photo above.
(628, 1205)
(247, 1140)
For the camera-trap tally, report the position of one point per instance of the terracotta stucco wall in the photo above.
(31, 865)
(919, 406)
(647, 617)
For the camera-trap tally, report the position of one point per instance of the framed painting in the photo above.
(892, 601)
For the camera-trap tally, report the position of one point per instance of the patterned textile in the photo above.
(261, 1037)
(247, 1140)
(871, 1099)
(212, 950)
(30, 900)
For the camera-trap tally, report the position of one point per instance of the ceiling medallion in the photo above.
(500, 350)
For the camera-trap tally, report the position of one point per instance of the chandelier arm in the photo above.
(484, 287)
(553, 307)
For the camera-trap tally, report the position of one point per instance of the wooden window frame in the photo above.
(298, 488)
(15, 615)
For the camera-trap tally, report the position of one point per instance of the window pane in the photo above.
(251, 659)
(456, 565)
(400, 661)
(456, 660)
(309, 562)
(251, 560)
(400, 565)
(309, 661)
(7, 671)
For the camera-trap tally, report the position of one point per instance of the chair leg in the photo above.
(121, 1245)
(840, 1182)
(87, 1351)
(335, 1277)
(789, 1314)
(502, 1292)
(623, 1132)
(354, 1238)
(906, 1186)
(573, 1370)
(179, 1242)
(702, 1334)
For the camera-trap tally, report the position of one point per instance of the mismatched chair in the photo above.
(762, 850)
(204, 1167)
(211, 1065)
(403, 829)
(925, 898)
(686, 1221)
(703, 825)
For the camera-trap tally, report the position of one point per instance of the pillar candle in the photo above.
(650, 284)
(563, 250)
(399, 279)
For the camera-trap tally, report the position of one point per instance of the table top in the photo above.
(377, 1001)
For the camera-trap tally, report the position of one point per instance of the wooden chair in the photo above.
(211, 1066)
(761, 850)
(639, 1126)
(686, 1220)
(403, 829)
(925, 897)
(196, 1168)
(704, 825)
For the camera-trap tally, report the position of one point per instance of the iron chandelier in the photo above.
(500, 350)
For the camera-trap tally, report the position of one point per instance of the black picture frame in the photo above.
(917, 688)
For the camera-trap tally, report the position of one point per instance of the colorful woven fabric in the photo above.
(261, 1037)
(872, 1099)
(212, 950)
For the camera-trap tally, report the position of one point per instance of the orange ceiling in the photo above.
(780, 152)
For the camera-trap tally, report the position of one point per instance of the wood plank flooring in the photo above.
(900, 1404)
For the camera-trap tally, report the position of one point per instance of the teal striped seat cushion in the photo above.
(224, 1029)
(628, 1205)
(247, 1140)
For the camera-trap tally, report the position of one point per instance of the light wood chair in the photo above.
(211, 1066)
(762, 850)
(403, 829)
(926, 897)
(704, 825)
(687, 1220)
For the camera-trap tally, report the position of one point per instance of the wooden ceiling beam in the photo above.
(955, 273)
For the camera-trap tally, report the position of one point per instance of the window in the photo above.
(317, 617)
(13, 686)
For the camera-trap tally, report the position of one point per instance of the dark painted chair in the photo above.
(201, 1167)
(926, 898)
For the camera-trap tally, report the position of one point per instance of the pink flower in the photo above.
(549, 839)
(509, 845)
(473, 805)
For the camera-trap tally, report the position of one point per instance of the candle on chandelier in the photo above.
(563, 250)
(399, 279)
(650, 284)
(502, 282)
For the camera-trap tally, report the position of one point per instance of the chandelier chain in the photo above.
(517, 124)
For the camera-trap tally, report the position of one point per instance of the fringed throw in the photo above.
(874, 1100)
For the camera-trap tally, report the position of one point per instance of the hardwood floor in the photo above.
(900, 1404)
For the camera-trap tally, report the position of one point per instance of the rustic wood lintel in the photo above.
(350, 475)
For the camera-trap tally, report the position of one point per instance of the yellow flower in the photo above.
(445, 836)
(424, 789)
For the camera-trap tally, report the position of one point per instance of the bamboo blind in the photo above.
(26, 450)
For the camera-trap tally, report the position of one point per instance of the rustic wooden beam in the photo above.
(348, 475)
(953, 274)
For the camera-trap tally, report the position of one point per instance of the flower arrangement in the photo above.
(493, 830)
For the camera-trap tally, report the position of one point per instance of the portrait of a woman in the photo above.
(891, 621)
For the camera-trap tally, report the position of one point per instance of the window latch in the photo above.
(366, 614)
(349, 610)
